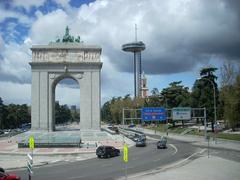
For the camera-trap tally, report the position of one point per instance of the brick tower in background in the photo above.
(144, 86)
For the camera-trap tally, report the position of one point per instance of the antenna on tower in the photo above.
(136, 32)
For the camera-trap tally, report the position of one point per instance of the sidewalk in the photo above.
(198, 140)
(199, 169)
(12, 157)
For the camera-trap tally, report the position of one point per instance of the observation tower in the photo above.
(136, 48)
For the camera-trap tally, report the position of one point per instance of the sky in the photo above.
(181, 37)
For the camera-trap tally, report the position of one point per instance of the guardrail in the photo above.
(131, 133)
(109, 130)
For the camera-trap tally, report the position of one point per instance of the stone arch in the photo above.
(49, 67)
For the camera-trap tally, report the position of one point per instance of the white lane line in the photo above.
(156, 160)
(77, 177)
(175, 148)
(105, 165)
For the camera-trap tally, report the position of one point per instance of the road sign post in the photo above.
(125, 158)
(29, 165)
(208, 139)
(30, 157)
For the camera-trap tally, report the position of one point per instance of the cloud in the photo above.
(16, 93)
(66, 95)
(47, 27)
(14, 61)
(114, 83)
(63, 3)
(180, 35)
(1, 43)
(27, 4)
(4, 14)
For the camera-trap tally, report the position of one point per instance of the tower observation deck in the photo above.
(136, 48)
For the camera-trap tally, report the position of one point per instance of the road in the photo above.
(140, 159)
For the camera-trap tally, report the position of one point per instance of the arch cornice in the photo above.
(82, 65)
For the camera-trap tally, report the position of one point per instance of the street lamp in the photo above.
(164, 97)
(214, 100)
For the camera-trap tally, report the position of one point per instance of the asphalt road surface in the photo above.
(140, 159)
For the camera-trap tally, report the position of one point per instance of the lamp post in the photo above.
(214, 98)
(164, 97)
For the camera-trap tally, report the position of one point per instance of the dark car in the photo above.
(113, 128)
(131, 125)
(6, 176)
(107, 151)
(141, 143)
(2, 170)
(138, 137)
(162, 143)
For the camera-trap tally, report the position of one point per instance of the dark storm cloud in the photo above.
(179, 34)
(180, 41)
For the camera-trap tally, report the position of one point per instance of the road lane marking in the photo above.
(175, 148)
(106, 165)
(76, 177)
(164, 168)
(156, 160)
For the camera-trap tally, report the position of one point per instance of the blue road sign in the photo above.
(153, 114)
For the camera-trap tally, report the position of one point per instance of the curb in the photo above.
(39, 154)
(196, 142)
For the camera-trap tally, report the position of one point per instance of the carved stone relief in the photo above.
(62, 55)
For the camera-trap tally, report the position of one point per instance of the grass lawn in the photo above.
(179, 130)
(162, 128)
(221, 135)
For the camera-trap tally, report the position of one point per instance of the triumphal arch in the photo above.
(66, 58)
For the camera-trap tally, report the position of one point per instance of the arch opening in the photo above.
(66, 107)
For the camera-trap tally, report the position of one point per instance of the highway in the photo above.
(140, 159)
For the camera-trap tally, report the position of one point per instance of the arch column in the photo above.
(90, 101)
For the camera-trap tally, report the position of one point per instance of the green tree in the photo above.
(112, 110)
(3, 114)
(155, 100)
(176, 95)
(75, 116)
(202, 92)
(116, 109)
(62, 114)
(230, 94)
(17, 115)
(106, 112)
(23, 114)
